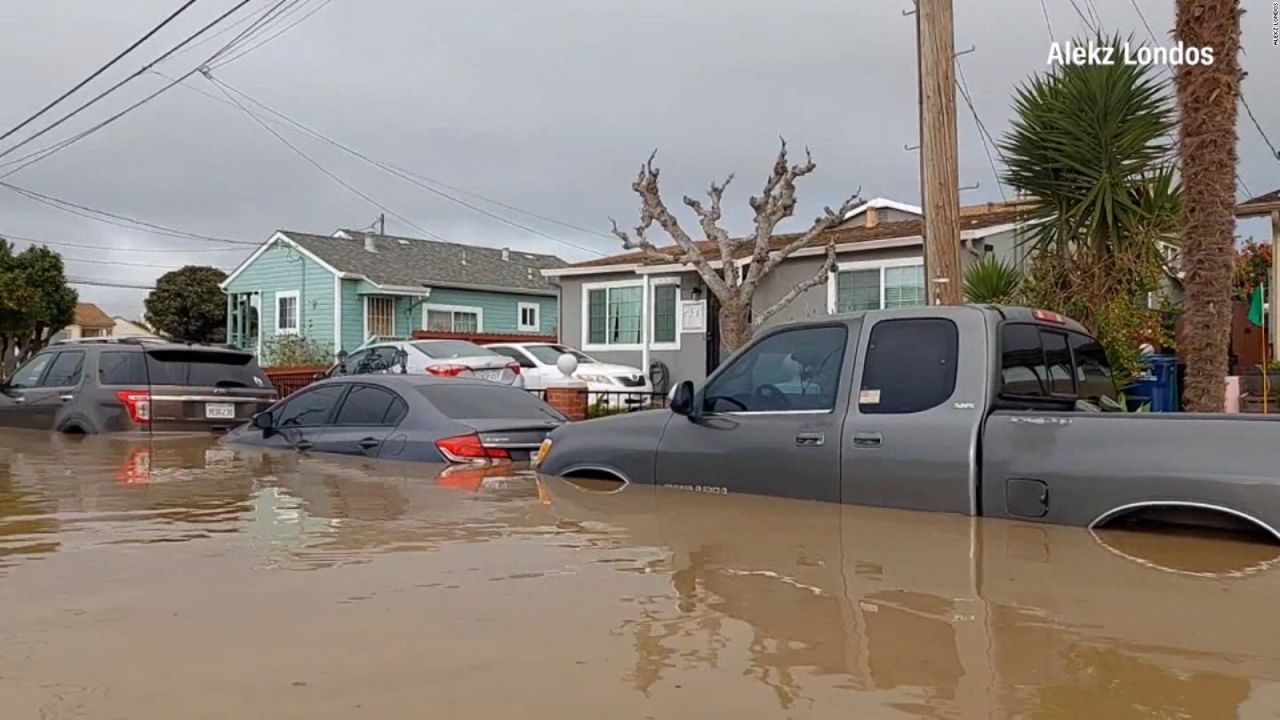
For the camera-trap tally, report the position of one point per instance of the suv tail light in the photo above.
(446, 370)
(468, 448)
(514, 367)
(137, 403)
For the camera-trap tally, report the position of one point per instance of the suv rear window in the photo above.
(194, 368)
(483, 402)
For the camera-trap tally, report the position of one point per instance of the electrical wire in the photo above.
(119, 220)
(963, 86)
(275, 35)
(402, 174)
(1083, 18)
(87, 246)
(107, 284)
(120, 56)
(43, 153)
(123, 82)
(1048, 25)
(329, 174)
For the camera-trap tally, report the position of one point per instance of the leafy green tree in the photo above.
(187, 304)
(1091, 152)
(35, 302)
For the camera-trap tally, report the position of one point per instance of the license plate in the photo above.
(489, 374)
(220, 411)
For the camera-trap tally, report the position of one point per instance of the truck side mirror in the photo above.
(681, 398)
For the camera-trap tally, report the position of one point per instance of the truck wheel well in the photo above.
(1170, 516)
(594, 473)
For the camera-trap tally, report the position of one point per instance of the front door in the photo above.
(300, 421)
(913, 428)
(367, 416)
(19, 402)
(770, 421)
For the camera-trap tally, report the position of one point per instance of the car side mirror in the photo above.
(681, 398)
(264, 421)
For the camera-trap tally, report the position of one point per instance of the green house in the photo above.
(345, 289)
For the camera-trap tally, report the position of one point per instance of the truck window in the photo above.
(792, 370)
(1057, 356)
(1022, 368)
(910, 366)
(1093, 372)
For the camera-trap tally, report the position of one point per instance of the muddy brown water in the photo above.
(182, 579)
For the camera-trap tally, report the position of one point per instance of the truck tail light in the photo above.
(137, 403)
(468, 448)
(514, 367)
(446, 370)
(1046, 316)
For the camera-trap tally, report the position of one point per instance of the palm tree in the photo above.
(1091, 152)
(1207, 95)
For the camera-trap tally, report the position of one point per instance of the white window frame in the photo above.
(478, 312)
(653, 315)
(586, 319)
(537, 317)
(880, 265)
(297, 312)
(366, 335)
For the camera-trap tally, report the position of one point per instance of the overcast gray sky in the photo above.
(548, 106)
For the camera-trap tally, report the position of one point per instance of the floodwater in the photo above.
(182, 579)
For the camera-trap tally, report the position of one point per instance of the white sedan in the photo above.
(538, 366)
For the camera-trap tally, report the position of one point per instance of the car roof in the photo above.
(525, 344)
(141, 344)
(405, 380)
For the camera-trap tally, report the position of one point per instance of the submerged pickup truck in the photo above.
(993, 411)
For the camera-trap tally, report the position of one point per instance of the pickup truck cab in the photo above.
(982, 410)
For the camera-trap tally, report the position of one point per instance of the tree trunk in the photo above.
(735, 325)
(1208, 96)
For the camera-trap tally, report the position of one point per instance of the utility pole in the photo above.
(939, 165)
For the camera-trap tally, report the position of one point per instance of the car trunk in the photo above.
(205, 389)
(520, 438)
(496, 369)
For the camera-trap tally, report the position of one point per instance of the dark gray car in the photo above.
(105, 385)
(977, 410)
(406, 417)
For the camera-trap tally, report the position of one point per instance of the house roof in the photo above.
(412, 262)
(1264, 204)
(89, 315)
(975, 219)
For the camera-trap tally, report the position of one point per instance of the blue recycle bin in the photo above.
(1157, 386)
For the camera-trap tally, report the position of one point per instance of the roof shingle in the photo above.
(412, 262)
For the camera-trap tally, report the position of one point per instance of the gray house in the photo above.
(635, 311)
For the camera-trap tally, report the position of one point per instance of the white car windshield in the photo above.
(549, 354)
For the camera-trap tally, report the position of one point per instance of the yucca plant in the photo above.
(991, 280)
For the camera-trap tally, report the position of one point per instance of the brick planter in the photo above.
(289, 380)
(572, 401)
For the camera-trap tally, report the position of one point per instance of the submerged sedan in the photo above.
(406, 417)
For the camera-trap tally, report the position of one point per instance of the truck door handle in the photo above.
(810, 439)
(66, 398)
(867, 439)
(303, 445)
(369, 443)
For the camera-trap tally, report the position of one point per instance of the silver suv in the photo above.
(107, 385)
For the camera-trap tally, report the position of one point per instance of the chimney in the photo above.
(871, 217)
(370, 245)
(506, 254)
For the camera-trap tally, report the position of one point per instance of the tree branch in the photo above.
(821, 277)
(829, 219)
(709, 219)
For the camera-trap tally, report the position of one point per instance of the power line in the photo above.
(963, 86)
(1274, 154)
(107, 284)
(1083, 18)
(43, 153)
(100, 70)
(402, 174)
(86, 246)
(391, 167)
(1048, 25)
(277, 34)
(322, 168)
(120, 84)
(1145, 24)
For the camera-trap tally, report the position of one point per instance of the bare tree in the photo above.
(733, 268)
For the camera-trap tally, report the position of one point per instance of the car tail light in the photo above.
(137, 403)
(1046, 316)
(446, 370)
(514, 367)
(468, 448)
